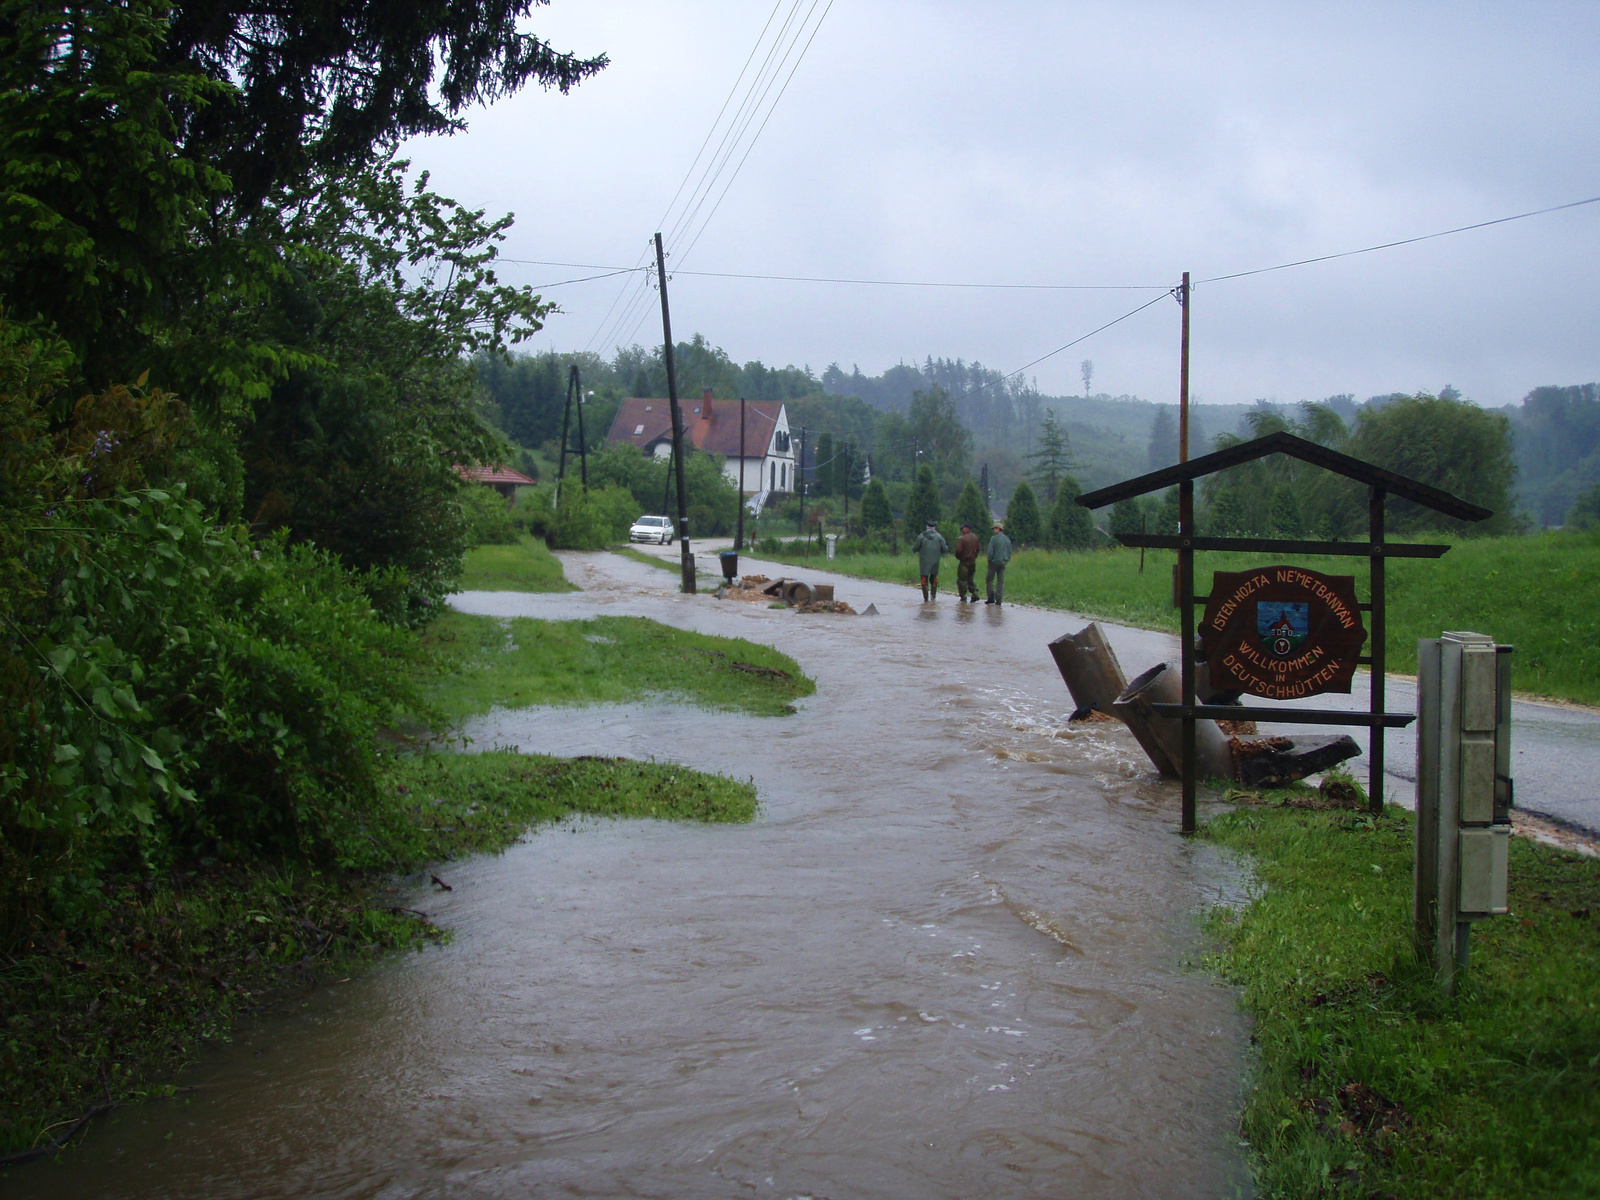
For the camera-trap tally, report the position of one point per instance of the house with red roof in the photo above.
(767, 458)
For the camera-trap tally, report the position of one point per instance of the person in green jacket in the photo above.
(930, 544)
(999, 555)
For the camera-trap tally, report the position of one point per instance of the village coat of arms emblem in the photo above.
(1282, 632)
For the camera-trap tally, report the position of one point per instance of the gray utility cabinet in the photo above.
(1464, 793)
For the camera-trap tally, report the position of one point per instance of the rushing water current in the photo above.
(952, 957)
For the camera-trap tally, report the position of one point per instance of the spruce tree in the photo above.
(875, 511)
(1127, 516)
(825, 466)
(1022, 516)
(1071, 526)
(924, 503)
(971, 510)
(1052, 456)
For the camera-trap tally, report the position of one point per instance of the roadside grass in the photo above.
(526, 662)
(1540, 594)
(110, 1013)
(1369, 1081)
(702, 580)
(524, 566)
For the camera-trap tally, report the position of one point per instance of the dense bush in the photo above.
(585, 520)
(489, 522)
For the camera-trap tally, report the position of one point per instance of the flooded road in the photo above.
(948, 959)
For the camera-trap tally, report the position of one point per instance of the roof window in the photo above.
(637, 430)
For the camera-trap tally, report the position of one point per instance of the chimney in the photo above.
(705, 405)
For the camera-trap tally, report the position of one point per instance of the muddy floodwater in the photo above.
(952, 957)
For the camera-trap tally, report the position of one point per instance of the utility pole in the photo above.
(800, 480)
(1183, 375)
(738, 537)
(566, 424)
(686, 557)
(583, 445)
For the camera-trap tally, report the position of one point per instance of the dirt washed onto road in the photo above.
(949, 959)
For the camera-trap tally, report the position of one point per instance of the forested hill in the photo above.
(1556, 430)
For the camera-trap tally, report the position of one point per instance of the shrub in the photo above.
(489, 519)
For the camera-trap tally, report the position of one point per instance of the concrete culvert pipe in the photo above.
(797, 593)
(1162, 737)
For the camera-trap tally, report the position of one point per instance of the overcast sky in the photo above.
(1083, 143)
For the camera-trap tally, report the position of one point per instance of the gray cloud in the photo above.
(1088, 143)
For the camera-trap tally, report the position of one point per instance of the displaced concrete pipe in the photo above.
(1090, 669)
(796, 592)
(1162, 737)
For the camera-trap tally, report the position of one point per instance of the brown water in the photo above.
(947, 960)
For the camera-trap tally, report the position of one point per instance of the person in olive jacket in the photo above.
(999, 555)
(966, 551)
(930, 544)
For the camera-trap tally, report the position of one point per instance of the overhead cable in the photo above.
(1426, 237)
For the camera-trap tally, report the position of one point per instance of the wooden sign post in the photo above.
(1282, 632)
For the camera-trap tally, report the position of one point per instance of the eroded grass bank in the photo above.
(110, 1011)
(1540, 594)
(1369, 1081)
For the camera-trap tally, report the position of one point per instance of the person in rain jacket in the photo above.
(999, 555)
(966, 552)
(930, 544)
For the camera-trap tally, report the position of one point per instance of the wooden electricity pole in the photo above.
(583, 444)
(685, 556)
(1183, 374)
(800, 481)
(738, 537)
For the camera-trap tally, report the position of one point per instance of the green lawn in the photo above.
(605, 660)
(525, 566)
(1369, 1081)
(1540, 594)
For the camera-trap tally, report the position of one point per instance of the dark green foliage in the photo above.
(1585, 510)
(488, 518)
(1166, 518)
(875, 512)
(1052, 455)
(1451, 444)
(923, 505)
(1022, 517)
(713, 498)
(1128, 516)
(824, 483)
(1071, 527)
(319, 87)
(970, 510)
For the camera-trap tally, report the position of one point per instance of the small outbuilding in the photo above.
(501, 478)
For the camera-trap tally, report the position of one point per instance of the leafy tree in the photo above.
(1071, 526)
(971, 510)
(923, 506)
(875, 511)
(1051, 455)
(1585, 510)
(1022, 516)
(1451, 444)
(943, 442)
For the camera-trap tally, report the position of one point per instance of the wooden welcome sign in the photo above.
(1282, 632)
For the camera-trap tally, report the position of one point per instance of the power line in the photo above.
(772, 108)
(1426, 237)
(853, 280)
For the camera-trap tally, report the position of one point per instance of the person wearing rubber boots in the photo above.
(999, 555)
(966, 551)
(930, 544)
